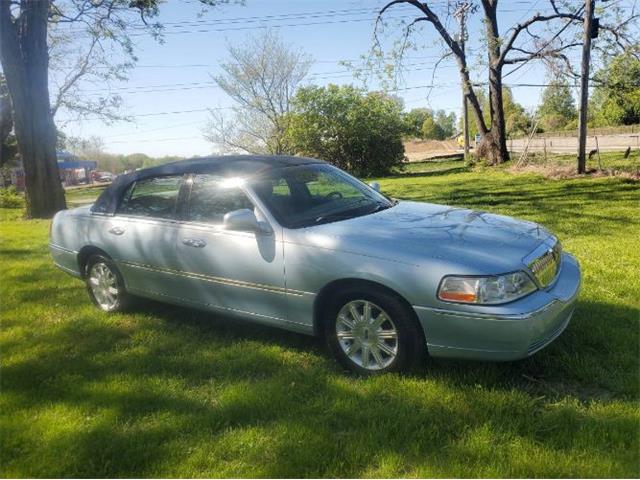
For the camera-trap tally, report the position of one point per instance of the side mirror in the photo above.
(242, 220)
(375, 186)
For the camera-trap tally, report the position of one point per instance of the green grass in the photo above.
(166, 391)
(82, 196)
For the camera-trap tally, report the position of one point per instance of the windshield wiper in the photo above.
(382, 206)
(333, 216)
(350, 213)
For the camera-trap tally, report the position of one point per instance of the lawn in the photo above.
(166, 391)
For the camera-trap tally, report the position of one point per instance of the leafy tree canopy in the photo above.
(357, 131)
(558, 108)
(616, 98)
(425, 123)
(517, 120)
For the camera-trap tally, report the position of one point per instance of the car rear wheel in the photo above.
(105, 284)
(371, 331)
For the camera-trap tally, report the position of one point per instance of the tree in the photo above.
(415, 119)
(8, 146)
(76, 61)
(616, 97)
(502, 50)
(517, 122)
(25, 56)
(261, 77)
(439, 124)
(558, 108)
(431, 130)
(24, 52)
(357, 131)
(446, 122)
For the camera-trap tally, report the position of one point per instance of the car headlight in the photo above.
(489, 290)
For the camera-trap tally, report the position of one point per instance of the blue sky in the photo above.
(181, 67)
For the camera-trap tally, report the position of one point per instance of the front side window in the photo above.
(212, 197)
(152, 197)
(317, 193)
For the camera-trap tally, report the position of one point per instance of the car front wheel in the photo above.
(372, 332)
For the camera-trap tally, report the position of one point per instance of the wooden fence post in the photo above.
(598, 150)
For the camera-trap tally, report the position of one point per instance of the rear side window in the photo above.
(212, 197)
(153, 197)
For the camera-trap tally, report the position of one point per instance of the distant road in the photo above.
(570, 144)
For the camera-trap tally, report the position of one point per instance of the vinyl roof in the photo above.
(226, 165)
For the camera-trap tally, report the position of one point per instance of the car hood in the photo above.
(413, 232)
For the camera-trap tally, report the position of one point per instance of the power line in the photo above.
(169, 127)
(158, 140)
(198, 85)
(433, 85)
(244, 20)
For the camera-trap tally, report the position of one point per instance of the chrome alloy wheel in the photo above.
(367, 335)
(104, 286)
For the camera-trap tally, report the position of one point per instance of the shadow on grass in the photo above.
(176, 373)
(170, 391)
(428, 173)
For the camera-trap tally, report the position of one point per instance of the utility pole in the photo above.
(460, 14)
(584, 85)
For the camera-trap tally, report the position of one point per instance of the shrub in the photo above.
(357, 131)
(9, 198)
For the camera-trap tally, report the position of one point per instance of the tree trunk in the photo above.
(584, 88)
(494, 144)
(496, 139)
(470, 94)
(25, 61)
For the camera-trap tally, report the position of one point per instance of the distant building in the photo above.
(72, 171)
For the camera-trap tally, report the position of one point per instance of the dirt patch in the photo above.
(418, 150)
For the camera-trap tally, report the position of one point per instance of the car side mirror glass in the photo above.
(375, 186)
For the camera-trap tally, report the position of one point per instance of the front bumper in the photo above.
(504, 332)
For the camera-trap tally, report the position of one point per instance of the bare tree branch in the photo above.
(261, 77)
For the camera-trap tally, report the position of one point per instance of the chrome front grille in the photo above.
(546, 266)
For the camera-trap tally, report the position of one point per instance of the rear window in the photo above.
(153, 197)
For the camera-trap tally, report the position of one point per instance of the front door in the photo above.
(236, 271)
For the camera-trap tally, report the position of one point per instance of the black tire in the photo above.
(410, 344)
(122, 299)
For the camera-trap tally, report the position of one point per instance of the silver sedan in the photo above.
(299, 244)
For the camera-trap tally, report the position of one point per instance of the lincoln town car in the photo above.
(299, 244)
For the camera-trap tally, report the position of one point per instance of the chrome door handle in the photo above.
(116, 230)
(194, 242)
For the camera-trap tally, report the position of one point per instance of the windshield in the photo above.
(313, 194)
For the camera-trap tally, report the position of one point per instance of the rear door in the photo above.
(141, 235)
(232, 270)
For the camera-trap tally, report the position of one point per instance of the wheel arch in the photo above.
(320, 303)
(85, 253)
